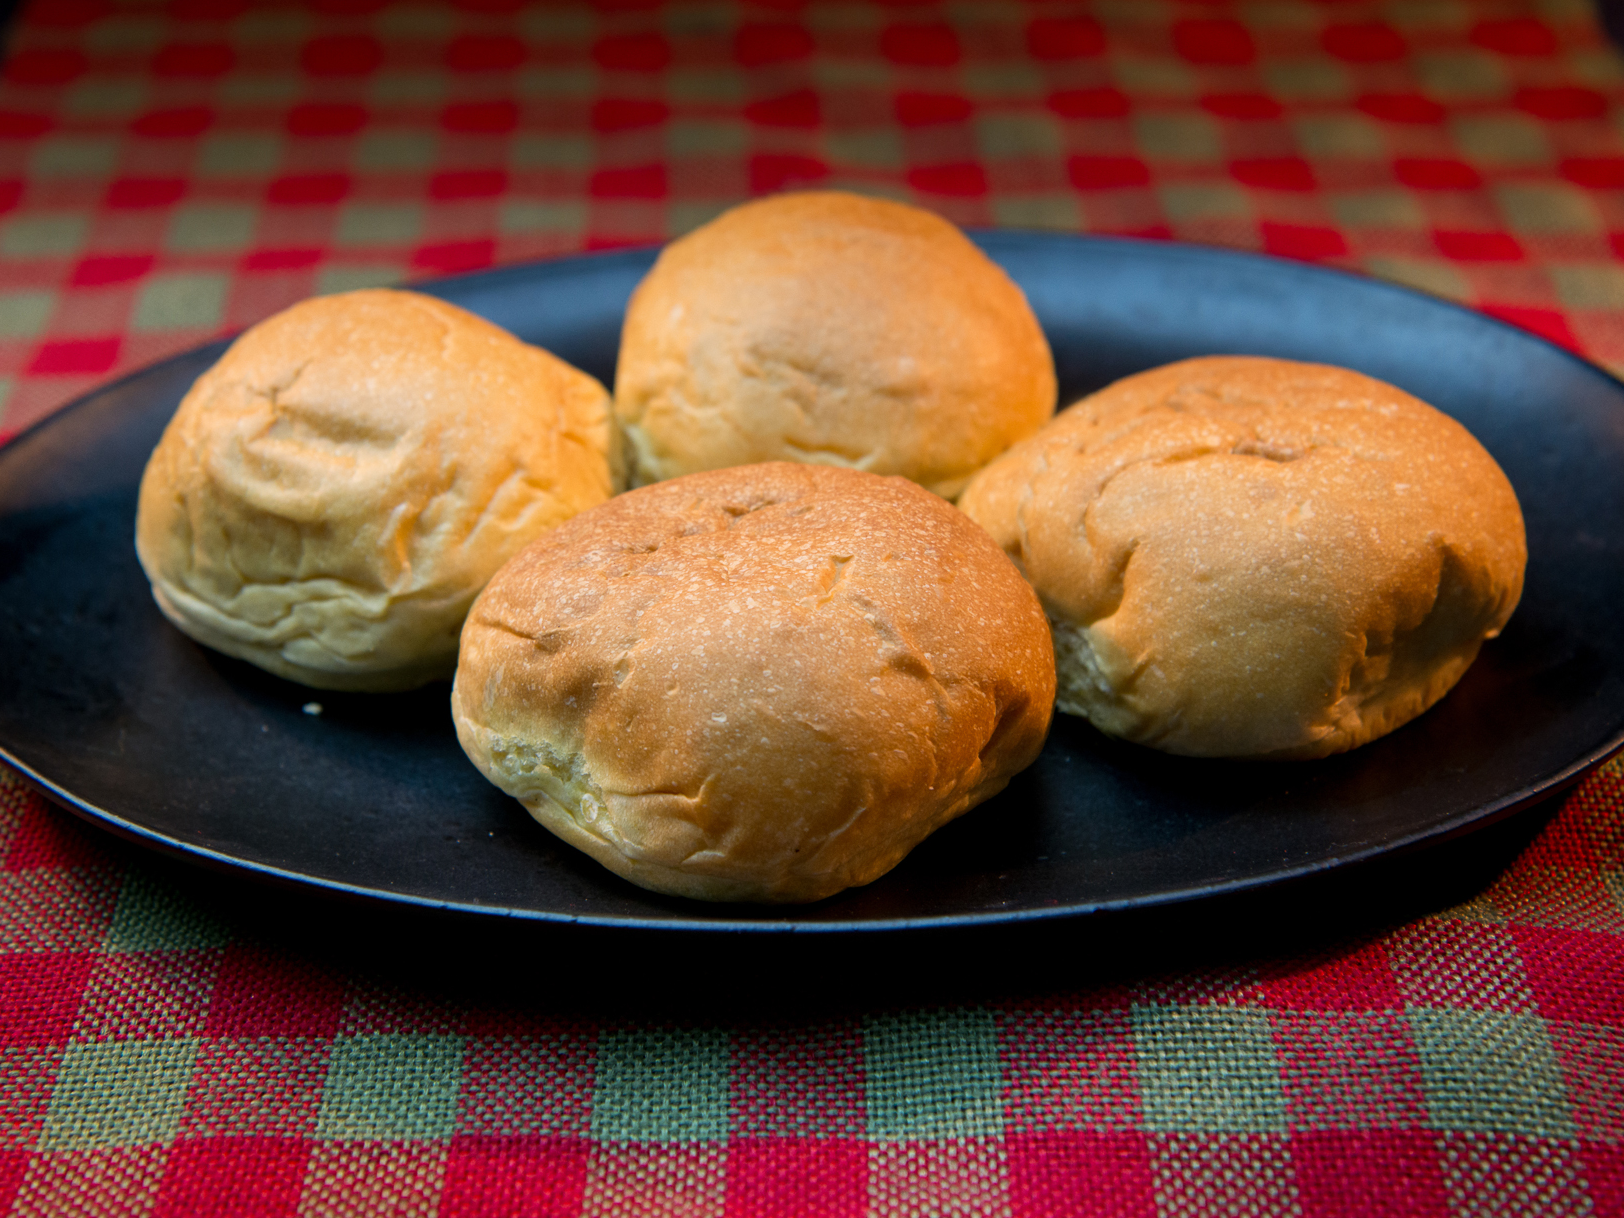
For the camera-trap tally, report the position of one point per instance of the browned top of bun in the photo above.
(1264, 557)
(762, 683)
(830, 328)
(332, 494)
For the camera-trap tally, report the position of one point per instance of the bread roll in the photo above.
(331, 496)
(766, 683)
(1248, 557)
(833, 329)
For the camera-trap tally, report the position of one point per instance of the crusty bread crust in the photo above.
(766, 683)
(333, 493)
(1255, 557)
(833, 329)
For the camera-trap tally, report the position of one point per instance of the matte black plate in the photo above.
(135, 727)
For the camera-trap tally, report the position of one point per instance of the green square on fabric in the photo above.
(396, 150)
(1187, 201)
(1596, 285)
(118, 1093)
(683, 218)
(1338, 135)
(1013, 79)
(549, 24)
(181, 302)
(706, 137)
(1177, 137)
(106, 97)
(1547, 207)
(332, 279)
(125, 33)
(24, 314)
(705, 87)
(556, 80)
(542, 215)
(153, 916)
(876, 147)
(379, 224)
(424, 23)
(1500, 139)
(1017, 135)
(1461, 75)
(533, 151)
(1153, 77)
(207, 228)
(1377, 209)
(59, 235)
(239, 154)
(660, 1085)
(67, 156)
(1208, 1069)
(932, 1075)
(1425, 274)
(391, 1087)
(407, 88)
(268, 89)
(1491, 1072)
(1307, 80)
(1060, 212)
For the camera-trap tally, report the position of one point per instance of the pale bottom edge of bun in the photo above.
(1083, 690)
(351, 680)
(554, 784)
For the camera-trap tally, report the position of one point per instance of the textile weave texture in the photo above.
(173, 171)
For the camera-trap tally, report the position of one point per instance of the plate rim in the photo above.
(1508, 804)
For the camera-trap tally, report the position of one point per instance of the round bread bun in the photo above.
(332, 495)
(832, 329)
(1247, 557)
(766, 683)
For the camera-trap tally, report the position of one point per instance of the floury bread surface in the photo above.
(332, 495)
(833, 329)
(766, 683)
(1257, 558)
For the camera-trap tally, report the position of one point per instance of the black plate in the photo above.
(127, 722)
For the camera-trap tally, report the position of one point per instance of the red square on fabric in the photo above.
(1064, 37)
(1104, 102)
(1213, 40)
(1547, 323)
(40, 994)
(1518, 36)
(932, 44)
(1575, 975)
(194, 59)
(1274, 173)
(257, 994)
(1356, 979)
(1069, 1069)
(178, 122)
(1104, 172)
(13, 1163)
(1377, 1173)
(757, 43)
(816, 1177)
(131, 193)
(516, 1085)
(800, 108)
(1079, 1174)
(45, 66)
(267, 1086)
(1363, 41)
(98, 271)
(518, 1177)
(638, 182)
(449, 257)
(75, 357)
(800, 1082)
(1349, 1070)
(1602, 1164)
(964, 180)
(226, 1176)
(780, 171)
(341, 55)
(633, 53)
(1305, 241)
(48, 837)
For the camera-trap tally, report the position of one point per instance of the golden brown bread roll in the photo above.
(765, 683)
(1257, 558)
(331, 496)
(833, 329)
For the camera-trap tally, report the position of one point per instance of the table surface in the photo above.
(1437, 1035)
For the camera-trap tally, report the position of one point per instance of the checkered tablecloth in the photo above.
(172, 171)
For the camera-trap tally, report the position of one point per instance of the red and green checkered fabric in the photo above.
(172, 171)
